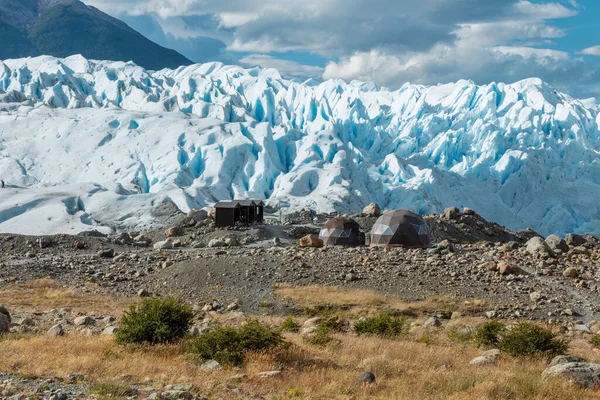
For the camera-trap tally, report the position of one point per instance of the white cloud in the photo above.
(287, 68)
(591, 51)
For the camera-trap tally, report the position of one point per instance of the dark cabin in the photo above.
(227, 213)
(244, 211)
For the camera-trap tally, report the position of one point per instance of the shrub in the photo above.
(595, 340)
(228, 345)
(320, 337)
(460, 334)
(333, 323)
(527, 339)
(155, 321)
(488, 334)
(381, 325)
(289, 325)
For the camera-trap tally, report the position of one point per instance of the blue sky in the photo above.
(389, 42)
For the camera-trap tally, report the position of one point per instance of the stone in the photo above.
(110, 330)
(570, 273)
(489, 265)
(452, 213)
(586, 375)
(483, 360)
(372, 210)
(535, 296)
(143, 293)
(213, 213)
(237, 378)
(174, 231)
(575, 240)
(506, 269)
(445, 245)
(164, 245)
(491, 314)
(269, 374)
(217, 242)
(469, 211)
(537, 245)
(432, 322)
(556, 244)
(197, 215)
(79, 245)
(312, 322)
(176, 395)
(83, 321)
(211, 365)
(311, 241)
(4, 310)
(44, 242)
(366, 377)
(56, 330)
(4, 324)
(106, 253)
(558, 360)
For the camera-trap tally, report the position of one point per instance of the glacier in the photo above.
(90, 144)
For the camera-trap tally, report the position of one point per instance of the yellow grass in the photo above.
(44, 294)
(367, 299)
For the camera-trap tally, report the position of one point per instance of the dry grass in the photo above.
(44, 294)
(368, 300)
(405, 368)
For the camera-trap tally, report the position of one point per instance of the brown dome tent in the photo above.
(400, 228)
(341, 231)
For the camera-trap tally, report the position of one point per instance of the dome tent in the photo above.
(342, 231)
(400, 228)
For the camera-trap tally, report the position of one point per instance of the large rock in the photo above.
(164, 245)
(571, 272)
(56, 330)
(311, 241)
(4, 324)
(366, 377)
(556, 243)
(575, 240)
(4, 310)
(558, 360)
(537, 245)
(372, 210)
(452, 213)
(83, 321)
(174, 231)
(217, 242)
(584, 374)
(213, 213)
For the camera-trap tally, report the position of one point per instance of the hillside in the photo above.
(65, 27)
(522, 154)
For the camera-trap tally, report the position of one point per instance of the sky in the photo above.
(389, 42)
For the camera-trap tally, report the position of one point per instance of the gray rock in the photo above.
(44, 242)
(211, 365)
(535, 296)
(575, 240)
(83, 321)
(217, 242)
(586, 375)
(432, 322)
(372, 210)
(268, 374)
(4, 324)
(56, 330)
(164, 245)
(176, 395)
(366, 377)
(110, 330)
(483, 360)
(570, 273)
(556, 243)
(106, 253)
(4, 310)
(558, 360)
(452, 213)
(143, 293)
(537, 245)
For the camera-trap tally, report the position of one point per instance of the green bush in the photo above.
(289, 325)
(320, 337)
(333, 323)
(155, 321)
(381, 325)
(228, 345)
(488, 334)
(595, 340)
(527, 339)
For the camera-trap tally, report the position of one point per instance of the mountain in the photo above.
(84, 137)
(65, 27)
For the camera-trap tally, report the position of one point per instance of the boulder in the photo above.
(213, 213)
(506, 269)
(311, 241)
(198, 215)
(535, 296)
(452, 213)
(432, 322)
(558, 360)
(537, 245)
(217, 242)
(106, 253)
(164, 245)
(4, 324)
(586, 375)
(83, 321)
(211, 365)
(44, 242)
(575, 240)
(570, 273)
(269, 374)
(483, 360)
(110, 330)
(556, 244)
(366, 377)
(372, 210)
(56, 330)
(174, 231)
(4, 310)
(79, 245)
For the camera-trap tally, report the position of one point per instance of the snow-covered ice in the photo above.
(92, 144)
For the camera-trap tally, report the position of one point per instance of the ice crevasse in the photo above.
(101, 143)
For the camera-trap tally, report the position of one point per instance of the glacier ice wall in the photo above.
(522, 154)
